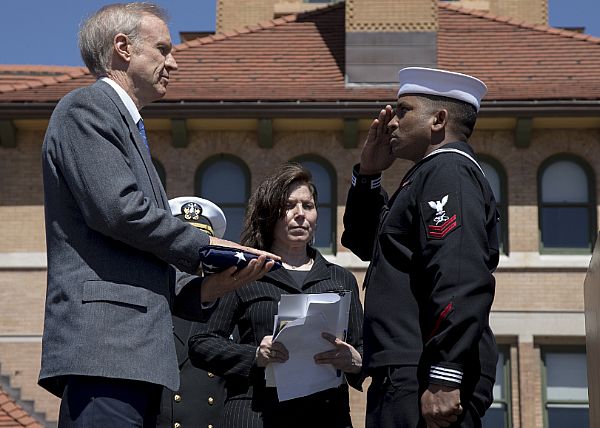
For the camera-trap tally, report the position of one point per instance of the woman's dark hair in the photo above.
(267, 204)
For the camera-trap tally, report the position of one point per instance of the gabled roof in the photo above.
(12, 414)
(301, 58)
(516, 60)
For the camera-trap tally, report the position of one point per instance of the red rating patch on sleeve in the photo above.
(441, 215)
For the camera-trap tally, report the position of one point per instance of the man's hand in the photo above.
(231, 244)
(270, 352)
(376, 155)
(440, 406)
(343, 357)
(219, 284)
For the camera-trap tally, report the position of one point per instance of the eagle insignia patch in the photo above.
(441, 215)
(191, 211)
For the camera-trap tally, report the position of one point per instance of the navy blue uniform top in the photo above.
(433, 247)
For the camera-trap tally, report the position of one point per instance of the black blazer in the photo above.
(251, 309)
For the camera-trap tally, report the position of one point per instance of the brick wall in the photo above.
(234, 14)
(21, 230)
(20, 361)
(391, 15)
(533, 11)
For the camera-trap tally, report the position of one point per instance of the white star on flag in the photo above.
(240, 256)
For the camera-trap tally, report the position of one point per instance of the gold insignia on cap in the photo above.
(191, 211)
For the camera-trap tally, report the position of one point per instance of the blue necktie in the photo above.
(142, 130)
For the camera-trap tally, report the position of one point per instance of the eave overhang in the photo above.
(307, 109)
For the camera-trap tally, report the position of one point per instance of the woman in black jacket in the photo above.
(281, 218)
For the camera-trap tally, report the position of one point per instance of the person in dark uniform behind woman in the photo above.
(199, 401)
(433, 247)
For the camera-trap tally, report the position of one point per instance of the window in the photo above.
(566, 402)
(497, 178)
(324, 178)
(567, 211)
(160, 169)
(498, 415)
(225, 180)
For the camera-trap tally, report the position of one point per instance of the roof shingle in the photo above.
(301, 57)
(12, 415)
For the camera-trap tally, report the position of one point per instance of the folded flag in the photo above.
(215, 258)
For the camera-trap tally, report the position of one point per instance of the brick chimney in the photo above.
(383, 36)
(530, 11)
(233, 14)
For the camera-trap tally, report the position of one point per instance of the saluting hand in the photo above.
(343, 357)
(440, 406)
(270, 352)
(376, 155)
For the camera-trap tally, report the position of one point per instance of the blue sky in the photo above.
(44, 31)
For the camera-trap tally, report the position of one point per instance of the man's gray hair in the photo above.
(97, 33)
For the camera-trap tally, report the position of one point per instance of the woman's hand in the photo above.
(270, 352)
(343, 357)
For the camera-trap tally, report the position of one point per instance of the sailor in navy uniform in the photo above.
(199, 400)
(432, 248)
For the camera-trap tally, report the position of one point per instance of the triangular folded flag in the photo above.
(215, 258)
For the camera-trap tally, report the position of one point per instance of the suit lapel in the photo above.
(136, 138)
(283, 280)
(319, 272)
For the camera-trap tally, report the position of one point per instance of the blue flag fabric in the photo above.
(216, 259)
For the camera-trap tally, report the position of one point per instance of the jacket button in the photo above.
(210, 426)
(176, 425)
(210, 374)
(177, 398)
(211, 401)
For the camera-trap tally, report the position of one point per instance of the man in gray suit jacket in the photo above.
(115, 252)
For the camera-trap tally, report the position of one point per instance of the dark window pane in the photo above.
(495, 417)
(568, 417)
(565, 227)
(224, 182)
(235, 221)
(323, 235)
(322, 180)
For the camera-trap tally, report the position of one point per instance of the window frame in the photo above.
(494, 163)
(224, 157)
(506, 402)
(557, 349)
(329, 168)
(591, 204)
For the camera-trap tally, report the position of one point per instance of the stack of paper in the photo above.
(300, 320)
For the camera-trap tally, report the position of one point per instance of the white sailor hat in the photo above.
(430, 81)
(200, 213)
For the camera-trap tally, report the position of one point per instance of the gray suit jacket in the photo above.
(113, 249)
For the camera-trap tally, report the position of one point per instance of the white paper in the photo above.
(299, 323)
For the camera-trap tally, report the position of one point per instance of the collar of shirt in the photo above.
(129, 104)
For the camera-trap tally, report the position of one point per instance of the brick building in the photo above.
(270, 87)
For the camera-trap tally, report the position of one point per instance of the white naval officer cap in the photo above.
(431, 81)
(201, 213)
